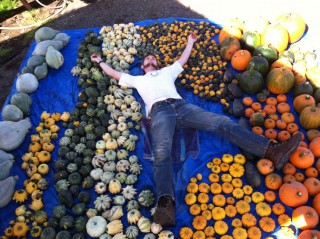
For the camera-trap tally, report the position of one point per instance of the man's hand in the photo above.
(192, 38)
(96, 58)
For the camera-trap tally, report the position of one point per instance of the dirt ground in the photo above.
(76, 15)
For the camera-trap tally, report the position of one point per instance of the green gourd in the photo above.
(54, 58)
(48, 233)
(251, 81)
(79, 208)
(42, 47)
(62, 37)
(27, 83)
(41, 71)
(5, 168)
(12, 134)
(11, 113)
(22, 101)
(59, 211)
(6, 190)
(35, 61)
(45, 33)
(4, 156)
(63, 235)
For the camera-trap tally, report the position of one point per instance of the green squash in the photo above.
(35, 61)
(80, 224)
(302, 88)
(256, 119)
(59, 211)
(54, 58)
(260, 64)
(22, 101)
(250, 40)
(268, 52)
(251, 81)
(316, 95)
(88, 182)
(79, 208)
(11, 113)
(48, 233)
(84, 197)
(67, 222)
(63, 235)
(75, 178)
(41, 71)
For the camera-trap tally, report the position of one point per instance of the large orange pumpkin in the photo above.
(314, 146)
(309, 234)
(305, 217)
(294, 24)
(293, 194)
(302, 101)
(280, 80)
(275, 35)
(302, 158)
(310, 117)
(316, 203)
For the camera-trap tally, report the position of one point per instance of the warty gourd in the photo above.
(12, 134)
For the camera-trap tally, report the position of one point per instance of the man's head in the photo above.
(149, 63)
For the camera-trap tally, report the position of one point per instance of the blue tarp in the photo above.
(58, 93)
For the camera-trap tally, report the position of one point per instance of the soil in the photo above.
(76, 15)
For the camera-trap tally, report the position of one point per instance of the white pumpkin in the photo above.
(27, 83)
(96, 226)
(144, 224)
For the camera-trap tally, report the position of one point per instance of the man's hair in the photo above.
(146, 55)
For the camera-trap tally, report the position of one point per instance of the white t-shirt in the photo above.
(156, 85)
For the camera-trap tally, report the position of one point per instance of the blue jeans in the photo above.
(166, 116)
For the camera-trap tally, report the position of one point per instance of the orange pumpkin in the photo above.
(294, 24)
(305, 217)
(313, 133)
(240, 60)
(311, 172)
(280, 80)
(228, 31)
(283, 107)
(314, 146)
(310, 117)
(309, 234)
(288, 177)
(289, 168)
(312, 185)
(302, 158)
(228, 47)
(273, 181)
(318, 165)
(302, 101)
(293, 194)
(265, 166)
(275, 35)
(284, 135)
(270, 196)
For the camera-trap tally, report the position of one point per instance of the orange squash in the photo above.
(280, 80)
(309, 234)
(312, 185)
(228, 47)
(310, 117)
(240, 60)
(273, 181)
(314, 146)
(302, 101)
(294, 24)
(305, 217)
(265, 166)
(316, 203)
(302, 158)
(275, 35)
(293, 194)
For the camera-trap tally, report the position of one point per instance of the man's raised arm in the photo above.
(192, 38)
(107, 69)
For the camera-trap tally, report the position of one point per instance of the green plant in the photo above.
(6, 5)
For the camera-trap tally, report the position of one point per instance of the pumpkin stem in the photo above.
(299, 194)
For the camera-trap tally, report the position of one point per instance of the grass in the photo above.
(6, 5)
(4, 51)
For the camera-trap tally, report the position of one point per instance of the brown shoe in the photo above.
(279, 153)
(165, 212)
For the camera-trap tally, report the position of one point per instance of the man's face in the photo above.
(150, 61)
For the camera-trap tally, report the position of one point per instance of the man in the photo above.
(168, 110)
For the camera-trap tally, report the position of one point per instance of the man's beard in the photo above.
(150, 64)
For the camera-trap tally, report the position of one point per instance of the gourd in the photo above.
(293, 194)
(166, 234)
(275, 35)
(48, 233)
(22, 101)
(59, 211)
(266, 51)
(310, 117)
(42, 47)
(45, 33)
(62, 37)
(228, 47)
(251, 81)
(41, 71)
(250, 40)
(4, 156)
(7, 189)
(63, 235)
(80, 224)
(11, 113)
(27, 83)
(114, 227)
(132, 232)
(144, 224)
(260, 64)
(54, 58)
(114, 213)
(5, 168)
(302, 101)
(133, 216)
(12, 134)
(146, 198)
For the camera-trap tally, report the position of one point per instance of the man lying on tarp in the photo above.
(169, 111)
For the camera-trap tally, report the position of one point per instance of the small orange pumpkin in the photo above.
(302, 101)
(265, 166)
(305, 217)
(273, 181)
(302, 158)
(240, 60)
(314, 146)
(312, 185)
(293, 194)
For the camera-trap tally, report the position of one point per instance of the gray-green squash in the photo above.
(23, 101)
(62, 37)
(45, 33)
(41, 71)
(27, 83)
(11, 113)
(4, 156)
(12, 134)
(54, 58)
(5, 168)
(35, 61)
(42, 47)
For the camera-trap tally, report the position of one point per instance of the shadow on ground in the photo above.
(95, 14)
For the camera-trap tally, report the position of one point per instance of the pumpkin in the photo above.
(266, 51)
(228, 47)
(221, 227)
(280, 80)
(240, 60)
(314, 147)
(278, 209)
(289, 168)
(312, 185)
(284, 220)
(265, 166)
(294, 24)
(263, 209)
(302, 101)
(254, 233)
(305, 217)
(302, 158)
(275, 35)
(267, 224)
(20, 229)
(20, 195)
(27, 83)
(302, 88)
(199, 222)
(293, 194)
(309, 234)
(218, 213)
(310, 117)
(248, 220)
(250, 40)
(316, 203)
(242, 207)
(230, 211)
(251, 81)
